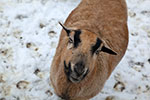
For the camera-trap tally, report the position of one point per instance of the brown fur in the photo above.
(106, 19)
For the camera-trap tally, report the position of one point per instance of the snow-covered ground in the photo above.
(29, 33)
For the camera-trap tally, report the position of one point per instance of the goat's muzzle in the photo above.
(75, 72)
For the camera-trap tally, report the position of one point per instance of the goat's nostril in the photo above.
(79, 69)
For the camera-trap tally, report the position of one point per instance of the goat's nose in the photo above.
(79, 68)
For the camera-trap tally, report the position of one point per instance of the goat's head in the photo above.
(81, 51)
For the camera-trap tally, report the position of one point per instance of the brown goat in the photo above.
(93, 41)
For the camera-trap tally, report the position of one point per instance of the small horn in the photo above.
(66, 29)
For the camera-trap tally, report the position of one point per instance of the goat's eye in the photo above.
(97, 51)
(70, 40)
(70, 43)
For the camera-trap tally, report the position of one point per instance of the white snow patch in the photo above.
(29, 33)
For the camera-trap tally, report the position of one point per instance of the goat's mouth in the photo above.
(73, 75)
(76, 79)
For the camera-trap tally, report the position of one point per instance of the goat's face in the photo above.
(81, 51)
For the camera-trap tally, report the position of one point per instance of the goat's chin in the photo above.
(74, 80)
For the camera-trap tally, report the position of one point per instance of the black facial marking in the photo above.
(67, 69)
(96, 46)
(77, 38)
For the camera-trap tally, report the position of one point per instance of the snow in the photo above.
(29, 33)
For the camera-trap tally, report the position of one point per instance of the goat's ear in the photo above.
(102, 46)
(108, 50)
(66, 29)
